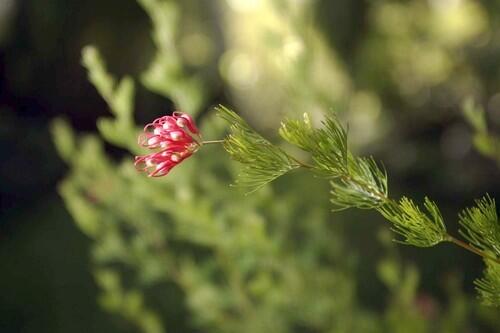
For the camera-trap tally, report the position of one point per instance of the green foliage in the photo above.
(480, 225)
(356, 182)
(327, 145)
(364, 186)
(263, 162)
(485, 142)
(359, 182)
(410, 307)
(489, 286)
(119, 96)
(128, 303)
(418, 228)
(403, 281)
(65, 145)
(167, 74)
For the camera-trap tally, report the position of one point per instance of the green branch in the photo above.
(360, 182)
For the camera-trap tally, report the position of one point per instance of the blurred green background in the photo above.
(396, 71)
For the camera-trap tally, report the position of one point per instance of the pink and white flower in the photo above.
(173, 139)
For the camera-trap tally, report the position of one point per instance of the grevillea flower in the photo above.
(172, 138)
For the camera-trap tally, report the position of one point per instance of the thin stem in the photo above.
(302, 164)
(212, 142)
(471, 248)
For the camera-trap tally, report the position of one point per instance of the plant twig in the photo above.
(212, 142)
(471, 248)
